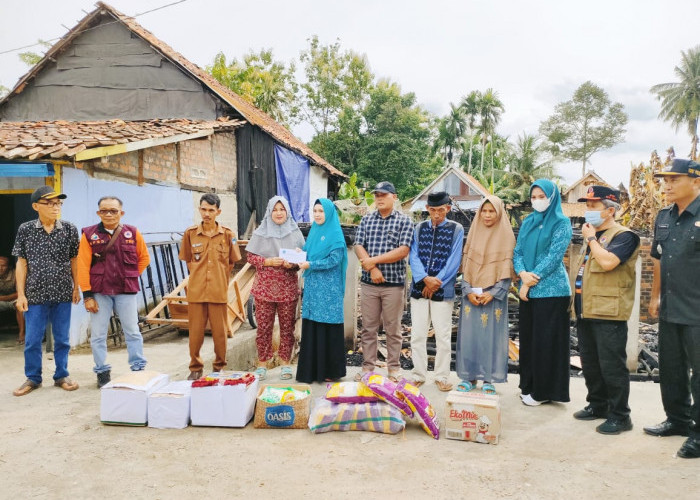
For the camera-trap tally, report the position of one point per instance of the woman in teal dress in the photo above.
(322, 349)
(545, 294)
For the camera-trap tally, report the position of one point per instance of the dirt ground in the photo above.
(54, 446)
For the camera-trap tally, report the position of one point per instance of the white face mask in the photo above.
(540, 204)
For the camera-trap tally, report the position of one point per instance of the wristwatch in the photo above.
(591, 238)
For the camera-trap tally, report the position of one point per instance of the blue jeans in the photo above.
(125, 306)
(35, 320)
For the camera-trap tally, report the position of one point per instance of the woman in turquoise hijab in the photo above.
(322, 350)
(545, 294)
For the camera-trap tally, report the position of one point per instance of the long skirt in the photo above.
(544, 348)
(321, 352)
(482, 341)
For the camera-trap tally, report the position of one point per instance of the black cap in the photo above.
(596, 193)
(438, 199)
(46, 193)
(384, 187)
(679, 166)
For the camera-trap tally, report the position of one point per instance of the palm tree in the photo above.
(680, 101)
(451, 132)
(526, 165)
(470, 107)
(490, 110)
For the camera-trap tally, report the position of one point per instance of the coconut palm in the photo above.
(490, 110)
(451, 130)
(528, 163)
(680, 101)
(470, 107)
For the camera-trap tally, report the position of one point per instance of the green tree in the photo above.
(396, 145)
(261, 80)
(450, 133)
(3, 91)
(527, 163)
(336, 81)
(680, 101)
(490, 109)
(470, 106)
(587, 123)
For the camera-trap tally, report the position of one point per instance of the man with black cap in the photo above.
(675, 298)
(604, 296)
(47, 283)
(382, 242)
(436, 253)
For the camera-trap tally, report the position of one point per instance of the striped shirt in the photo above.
(380, 235)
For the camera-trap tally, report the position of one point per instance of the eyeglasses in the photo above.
(51, 203)
(111, 211)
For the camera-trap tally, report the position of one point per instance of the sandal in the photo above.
(286, 373)
(464, 386)
(26, 388)
(417, 383)
(394, 377)
(488, 388)
(261, 372)
(66, 384)
(443, 385)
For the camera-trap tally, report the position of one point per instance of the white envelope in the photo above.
(292, 256)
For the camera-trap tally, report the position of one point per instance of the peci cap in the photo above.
(596, 193)
(438, 199)
(46, 193)
(384, 187)
(680, 166)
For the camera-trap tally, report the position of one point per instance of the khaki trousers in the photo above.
(198, 313)
(381, 305)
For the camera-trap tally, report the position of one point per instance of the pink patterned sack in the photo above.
(420, 406)
(385, 389)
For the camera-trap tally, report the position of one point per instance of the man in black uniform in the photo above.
(676, 296)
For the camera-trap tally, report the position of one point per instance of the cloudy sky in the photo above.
(534, 53)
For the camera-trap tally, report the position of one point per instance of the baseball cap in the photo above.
(46, 193)
(680, 166)
(384, 187)
(596, 193)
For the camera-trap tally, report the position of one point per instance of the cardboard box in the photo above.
(473, 416)
(289, 415)
(223, 405)
(169, 406)
(124, 401)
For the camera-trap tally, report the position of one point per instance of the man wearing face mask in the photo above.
(603, 300)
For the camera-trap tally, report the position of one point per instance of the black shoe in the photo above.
(103, 378)
(588, 413)
(615, 426)
(667, 428)
(690, 449)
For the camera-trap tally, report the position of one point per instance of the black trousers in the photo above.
(544, 348)
(679, 353)
(602, 345)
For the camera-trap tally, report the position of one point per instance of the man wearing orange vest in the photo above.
(111, 258)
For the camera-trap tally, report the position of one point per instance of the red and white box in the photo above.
(223, 399)
(473, 416)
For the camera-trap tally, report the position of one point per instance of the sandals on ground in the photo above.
(488, 388)
(443, 385)
(26, 388)
(464, 386)
(286, 373)
(261, 372)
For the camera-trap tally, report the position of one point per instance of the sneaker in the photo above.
(530, 401)
(615, 426)
(103, 378)
(588, 413)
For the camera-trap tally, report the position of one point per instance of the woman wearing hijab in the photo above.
(544, 298)
(322, 351)
(276, 285)
(487, 270)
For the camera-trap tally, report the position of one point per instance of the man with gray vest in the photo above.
(675, 298)
(111, 258)
(604, 286)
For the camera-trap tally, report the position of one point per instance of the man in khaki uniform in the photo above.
(210, 251)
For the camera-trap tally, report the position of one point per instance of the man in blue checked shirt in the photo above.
(436, 253)
(382, 243)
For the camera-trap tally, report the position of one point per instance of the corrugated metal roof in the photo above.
(251, 113)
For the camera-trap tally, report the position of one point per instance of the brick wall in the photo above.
(208, 164)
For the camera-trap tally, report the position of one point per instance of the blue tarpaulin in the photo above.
(26, 170)
(293, 181)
